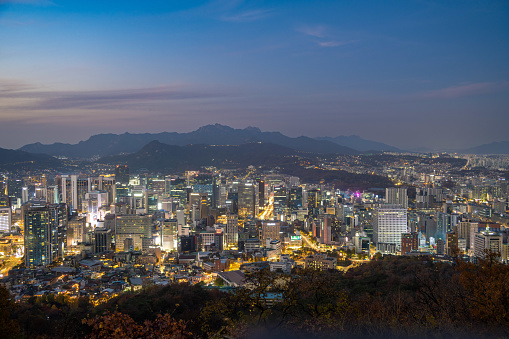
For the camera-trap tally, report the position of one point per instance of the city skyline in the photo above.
(409, 74)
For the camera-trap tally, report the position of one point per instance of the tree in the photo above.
(9, 326)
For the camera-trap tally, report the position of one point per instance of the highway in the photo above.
(308, 242)
(9, 263)
(268, 211)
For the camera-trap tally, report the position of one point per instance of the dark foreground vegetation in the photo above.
(391, 297)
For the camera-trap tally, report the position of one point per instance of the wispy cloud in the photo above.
(247, 16)
(333, 43)
(322, 36)
(464, 90)
(317, 31)
(20, 96)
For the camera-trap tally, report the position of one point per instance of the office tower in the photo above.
(76, 229)
(280, 201)
(295, 198)
(390, 221)
(122, 175)
(487, 240)
(52, 195)
(232, 202)
(261, 193)
(314, 201)
(396, 196)
(207, 183)
(188, 243)
(102, 240)
(178, 191)
(58, 218)
(409, 242)
(232, 231)
(14, 188)
(5, 214)
(440, 247)
(151, 201)
(169, 236)
(451, 244)
(37, 235)
(269, 230)
(247, 200)
(106, 184)
(137, 227)
(204, 207)
(73, 190)
(326, 229)
(24, 194)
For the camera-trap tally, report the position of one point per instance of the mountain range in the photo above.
(156, 156)
(102, 145)
(113, 144)
(17, 159)
(500, 147)
(361, 145)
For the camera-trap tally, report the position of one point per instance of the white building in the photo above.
(390, 221)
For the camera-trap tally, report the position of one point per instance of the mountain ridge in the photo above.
(112, 144)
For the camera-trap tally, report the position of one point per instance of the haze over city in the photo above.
(407, 73)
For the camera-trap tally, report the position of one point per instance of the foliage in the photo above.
(387, 297)
(120, 326)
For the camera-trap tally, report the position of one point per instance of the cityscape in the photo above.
(244, 169)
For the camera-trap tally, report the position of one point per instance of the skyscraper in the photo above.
(37, 235)
(137, 227)
(247, 199)
(5, 214)
(396, 196)
(122, 175)
(390, 222)
(232, 231)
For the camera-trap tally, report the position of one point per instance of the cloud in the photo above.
(11, 86)
(248, 16)
(333, 43)
(314, 31)
(18, 95)
(465, 90)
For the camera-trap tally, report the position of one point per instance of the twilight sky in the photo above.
(411, 73)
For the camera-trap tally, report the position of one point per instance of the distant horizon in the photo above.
(416, 149)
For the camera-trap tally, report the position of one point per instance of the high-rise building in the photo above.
(58, 218)
(169, 235)
(280, 201)
(102, 240)
(5, 214)
(232, 231)
(261, 193)
(409, 242)
(396, 196)
(326, 229)
(390, 222)
(45, 232)
(295, 198)
(451, 244)
(269, 230)
(247, 199)
(137, 227)
(122, 175)
(37, 235)
(487, 241)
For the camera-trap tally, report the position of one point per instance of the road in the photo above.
(9, 263)
(268, 211)
(308, 242)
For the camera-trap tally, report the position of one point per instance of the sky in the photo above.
(410, 73)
